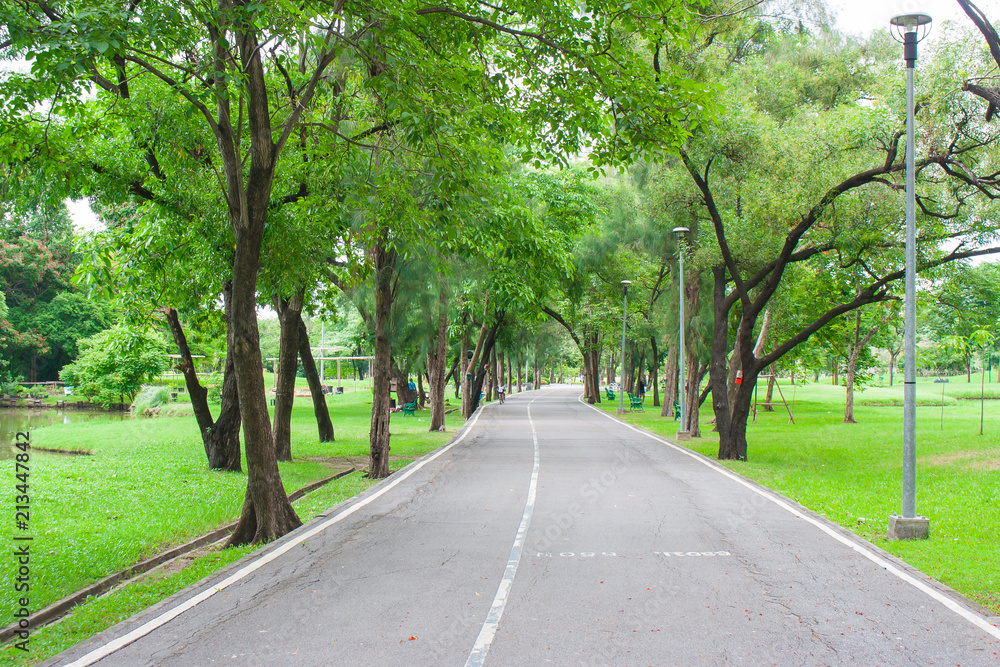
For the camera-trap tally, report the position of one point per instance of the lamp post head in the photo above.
(681, 230)
(910, 29)
(904, 23)
(625, 284)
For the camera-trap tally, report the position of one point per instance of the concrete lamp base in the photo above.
(683, 435)
(620, 411)
(902, 528)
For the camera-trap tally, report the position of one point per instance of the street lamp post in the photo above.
(621, 385)
(683, 433)
(909, 29)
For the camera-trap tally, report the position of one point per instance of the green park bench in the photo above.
(610, 394)
(635, 402)
(409, 408)
(677, 411)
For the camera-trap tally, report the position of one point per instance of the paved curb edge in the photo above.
(115, 630)
(944, 589)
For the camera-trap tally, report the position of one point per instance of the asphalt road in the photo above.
(551, 534)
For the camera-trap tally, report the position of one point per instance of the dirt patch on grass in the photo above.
(172, 567)
(969, 460)
(348, 461)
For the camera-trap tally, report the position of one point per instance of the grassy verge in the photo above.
(852, 473)
(145, 487)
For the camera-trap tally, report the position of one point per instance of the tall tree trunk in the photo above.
(225, 434)
(221, 437)
(484, 353)
(421, 401)
(493, 375)
(320, 409)
(510, 375)
(670, 379)
(594, 347)
(719, 369)
(735, 366)
(654, 375)
(460, 373)
(436, 360)
(767, 407)
(289, 317)
(857, 346)
(696, 374)
(731, 420)
(737, 435)
(589, 373)
(197, 393)
(468, 389)
(266, 514)
(384, 262)
(736, 363)
(453, 374)
(403, 392)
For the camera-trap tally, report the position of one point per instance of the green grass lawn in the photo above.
(852, 473)
(146, 487)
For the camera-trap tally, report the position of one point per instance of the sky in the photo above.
(860, 17)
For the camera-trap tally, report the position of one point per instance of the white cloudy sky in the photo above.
(863, 16)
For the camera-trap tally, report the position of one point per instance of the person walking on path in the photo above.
(640, 389)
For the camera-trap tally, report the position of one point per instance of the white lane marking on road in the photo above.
(968, 615)
(489, 629)
(166, 617)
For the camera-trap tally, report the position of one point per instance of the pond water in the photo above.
(14, 420)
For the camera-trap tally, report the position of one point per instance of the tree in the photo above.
(858, 347)
(115, 363)
(32, 275)
(145, 262)
(822, 216)
(965, 302)
(976, 86)
(224, 62)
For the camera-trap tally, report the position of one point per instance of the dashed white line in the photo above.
(489, 629)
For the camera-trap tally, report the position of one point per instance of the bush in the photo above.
(150, 397)
(114, 364)
(15, 389)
